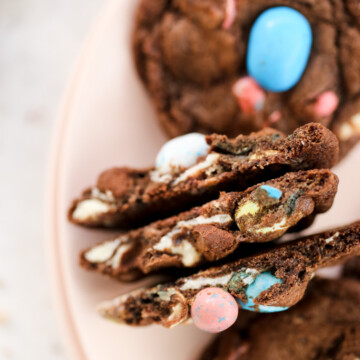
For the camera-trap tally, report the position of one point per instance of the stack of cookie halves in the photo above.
(211, 213)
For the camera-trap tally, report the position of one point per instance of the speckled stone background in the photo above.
(39, 42)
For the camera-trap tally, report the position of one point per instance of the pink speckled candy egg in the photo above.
(214, 310)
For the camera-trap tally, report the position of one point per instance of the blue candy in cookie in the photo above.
(262, 282)
(181, 152)
(279, 48)
(272, 192)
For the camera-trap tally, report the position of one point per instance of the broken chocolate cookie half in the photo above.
(270, 281)
(125, 197)
(261, 213)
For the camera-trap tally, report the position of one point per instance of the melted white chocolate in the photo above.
(102, 252)
(200, 282)
(207, 163)
(189, 255)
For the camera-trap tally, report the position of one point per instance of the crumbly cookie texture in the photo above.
(290, 267)
(201, 84)
(126, 197)
(208, 233)
(324, 325)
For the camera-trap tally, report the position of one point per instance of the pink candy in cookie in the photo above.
(230, 14)
(249, 95)
(326, 104)
(214, 310)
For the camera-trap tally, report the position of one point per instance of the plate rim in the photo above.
(69, 335)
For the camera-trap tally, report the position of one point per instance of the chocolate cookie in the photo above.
(231, 66)
(268, 282)
(352, 268)
(127, 197)
(324, 325)
(208, 233)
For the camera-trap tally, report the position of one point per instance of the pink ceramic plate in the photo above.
(106, 120)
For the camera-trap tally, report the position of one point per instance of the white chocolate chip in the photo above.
(175, 312)
(350, 128)
(175, 317)
(102, 252)
(200, 220)
(203, 281)
(346, 131)
(116, 259)
(90, 208)
(249, 276)
(107, 196)
(157, 177)
(332, 238)
(166, 295)
(188, 252)
(189, 255)
(207, 163)
(277, 226)
(355, 121)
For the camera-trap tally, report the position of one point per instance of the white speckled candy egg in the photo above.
(181, 152)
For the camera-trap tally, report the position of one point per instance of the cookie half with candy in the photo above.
(270, 281)
(192, 170)
(236, 66)
(205, 234)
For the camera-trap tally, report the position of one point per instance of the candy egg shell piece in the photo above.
(249, 95)
(279, 48)
(182, 151)
(262, 282)
(214, 310)
(326, 103)
(272, 192)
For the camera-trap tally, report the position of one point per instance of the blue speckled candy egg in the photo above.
(262, 282)
(279, 48)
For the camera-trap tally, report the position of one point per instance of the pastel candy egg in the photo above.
(214, 310)
(272, 192)
(279, 48)
(182, 151)
(326, 103)
(249, 95)
(262, 282)
(230, 14)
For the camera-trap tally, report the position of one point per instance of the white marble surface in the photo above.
(40, 40)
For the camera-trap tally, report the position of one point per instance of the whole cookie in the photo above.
(231, 66)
